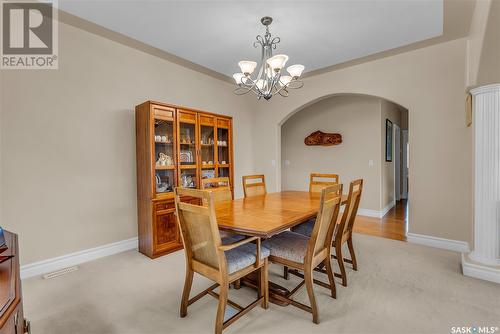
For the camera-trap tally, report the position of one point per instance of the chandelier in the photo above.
(270, 79)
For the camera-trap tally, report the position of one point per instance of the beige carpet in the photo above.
(399, 288)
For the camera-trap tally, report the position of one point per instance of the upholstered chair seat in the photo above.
(305, 228)
(230, 238)
(243, 256)
(288, 245)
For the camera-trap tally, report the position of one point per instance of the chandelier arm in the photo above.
(300, 84)
(278, 91)
(260, 41)
(283, 92)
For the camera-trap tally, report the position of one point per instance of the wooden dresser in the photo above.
(11, 303)
(176, 147)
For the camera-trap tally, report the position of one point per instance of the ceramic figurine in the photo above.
(169, 161)
(162, 159)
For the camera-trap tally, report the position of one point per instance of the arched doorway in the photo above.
(362, 121)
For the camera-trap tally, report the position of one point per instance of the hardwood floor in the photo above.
(392, 226)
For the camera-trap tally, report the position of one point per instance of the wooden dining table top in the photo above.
(267, 215)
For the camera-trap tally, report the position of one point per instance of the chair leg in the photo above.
(340, 260)
(264, 285)
(308, 276)
(221, 310)
(237, 284)
(285, 272)
(351, 252)
(329, 272)
(188, 282)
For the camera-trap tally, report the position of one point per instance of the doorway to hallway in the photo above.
(394, 225)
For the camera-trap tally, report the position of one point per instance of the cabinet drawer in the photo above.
(186, 116)
(207, 120)
(164, 112)
(223, 123)
(164, 205)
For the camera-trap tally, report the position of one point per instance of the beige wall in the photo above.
(394, 113)
(357, 119)
(483, 62)
(489, 66)
(68, 140)
(430, 83)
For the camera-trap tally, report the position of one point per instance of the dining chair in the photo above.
(221, 189)
(318, 181)
(343, 231)
(207, 256)
(301, 253)
(220, 186)
(254, 185)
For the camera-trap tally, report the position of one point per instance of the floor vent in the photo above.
(60, 272)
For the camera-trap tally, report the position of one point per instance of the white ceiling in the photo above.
(217, 34)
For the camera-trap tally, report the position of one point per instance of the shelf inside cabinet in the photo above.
(187, 166)
(165, 167)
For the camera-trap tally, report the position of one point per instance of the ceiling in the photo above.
(218, 34)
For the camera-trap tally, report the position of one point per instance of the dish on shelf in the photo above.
(186, 156)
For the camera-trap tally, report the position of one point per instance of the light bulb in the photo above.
(237, 77)
(285, 79)
(277, 62)
(295, 70)
(247, 66)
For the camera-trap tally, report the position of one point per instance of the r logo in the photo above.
(27, 28)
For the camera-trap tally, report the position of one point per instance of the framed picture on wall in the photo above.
(388, 140)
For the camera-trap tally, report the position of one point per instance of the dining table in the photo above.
(267, 215)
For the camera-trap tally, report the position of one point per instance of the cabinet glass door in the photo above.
(188, 148)
(223, 153)
(164, 155)
(207, 148)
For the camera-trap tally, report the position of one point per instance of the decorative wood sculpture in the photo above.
(319, 138)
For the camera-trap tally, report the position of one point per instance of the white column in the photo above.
(484, 261)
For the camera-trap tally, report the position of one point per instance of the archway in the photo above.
(361, 120)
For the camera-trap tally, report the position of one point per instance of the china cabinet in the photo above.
(175, 147)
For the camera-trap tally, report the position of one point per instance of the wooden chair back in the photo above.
(319, 181)
(254, 185)
(219, 186)
(199, 230)
(344, 229)
(322, 233)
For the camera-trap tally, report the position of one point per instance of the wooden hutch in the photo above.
(176, 147)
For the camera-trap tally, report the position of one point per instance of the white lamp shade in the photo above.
(285, 79)
(247, 66)
(260, 84)
(295, 70)
(237, 77)
(277, 62)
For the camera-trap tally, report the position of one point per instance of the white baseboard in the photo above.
(376, 213)
(369, 213)
(427, 240)
(72, 259)
(473, 269)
